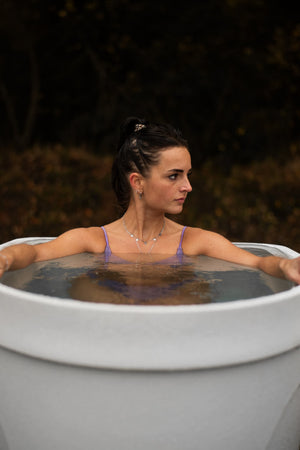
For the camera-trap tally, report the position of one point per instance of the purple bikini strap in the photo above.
(179, 250)
(107, 248)
(181, 239)
(105, 235)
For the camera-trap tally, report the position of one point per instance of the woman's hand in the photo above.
(4, 264)
(16, 257)
(291, 269)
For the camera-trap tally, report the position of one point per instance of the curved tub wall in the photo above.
(139, 337)
(77, 375)
(56, 406)
(287, 432)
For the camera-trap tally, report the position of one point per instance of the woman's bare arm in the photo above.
(208, 243)
(78, 240)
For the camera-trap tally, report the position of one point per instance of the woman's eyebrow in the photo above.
(179, 170)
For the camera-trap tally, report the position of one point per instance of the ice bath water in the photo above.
(145, 280)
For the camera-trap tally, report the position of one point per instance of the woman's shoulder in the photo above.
(197, 231)
(76, 240)
(94, 238)
(198, 240)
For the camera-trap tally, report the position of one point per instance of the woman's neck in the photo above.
(144, 227)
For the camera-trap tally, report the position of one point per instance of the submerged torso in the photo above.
(144, 279)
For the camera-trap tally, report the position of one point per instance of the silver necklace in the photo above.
(137, 240)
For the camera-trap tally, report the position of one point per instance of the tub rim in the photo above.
(175, 337)
(280, 250)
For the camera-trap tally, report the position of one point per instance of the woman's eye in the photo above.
(173, 177)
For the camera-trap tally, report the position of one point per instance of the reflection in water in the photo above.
(141, 284)
(144, 280)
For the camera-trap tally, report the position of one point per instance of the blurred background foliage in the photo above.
(225, 72)
(51, 189)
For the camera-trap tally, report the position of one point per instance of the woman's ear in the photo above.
(136, 181)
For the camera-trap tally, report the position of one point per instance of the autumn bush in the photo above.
(255, 203)
(46, 191)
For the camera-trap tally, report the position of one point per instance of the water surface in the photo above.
(145, 280)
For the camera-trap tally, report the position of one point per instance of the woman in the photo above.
(150, 177)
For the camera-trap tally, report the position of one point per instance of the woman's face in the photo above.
(166, 187)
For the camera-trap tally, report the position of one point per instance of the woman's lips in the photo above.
(180, 200)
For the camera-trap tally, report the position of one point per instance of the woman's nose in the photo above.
(187, 187)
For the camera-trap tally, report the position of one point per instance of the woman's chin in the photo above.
(175, 209)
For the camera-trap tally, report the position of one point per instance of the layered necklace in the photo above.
(138, 240)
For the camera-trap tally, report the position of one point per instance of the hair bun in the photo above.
(131, 125)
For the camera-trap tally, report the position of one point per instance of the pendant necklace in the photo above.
(137, 240)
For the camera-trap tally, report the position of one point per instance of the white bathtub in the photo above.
(76, 375)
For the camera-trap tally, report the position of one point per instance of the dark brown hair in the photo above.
(139, 147)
